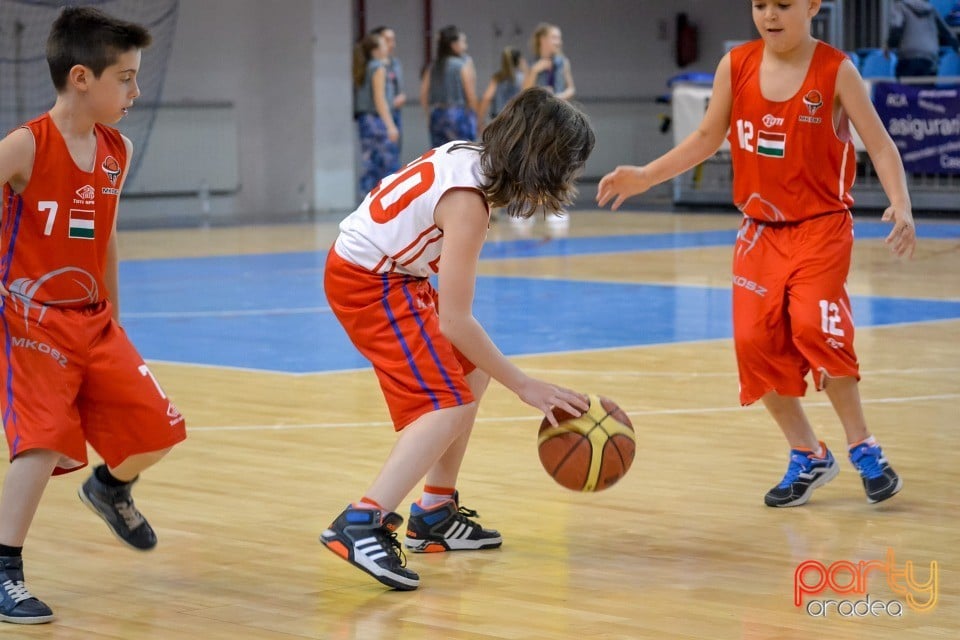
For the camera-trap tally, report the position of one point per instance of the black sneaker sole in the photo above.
(85, 500)
(398, 583)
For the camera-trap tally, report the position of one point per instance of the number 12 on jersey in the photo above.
(745, 134)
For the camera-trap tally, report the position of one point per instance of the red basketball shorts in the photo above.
(791, 311)
(393, 321)
(71, 376)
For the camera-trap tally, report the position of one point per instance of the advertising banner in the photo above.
(924, 122)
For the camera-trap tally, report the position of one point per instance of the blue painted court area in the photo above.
(268, 311)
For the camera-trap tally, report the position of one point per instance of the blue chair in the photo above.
(949, 64)
(877, 65)
(854, 57)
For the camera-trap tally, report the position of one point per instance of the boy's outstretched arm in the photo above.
(626, 181)
(884, 155)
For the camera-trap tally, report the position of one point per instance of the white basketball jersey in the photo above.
(393, 230)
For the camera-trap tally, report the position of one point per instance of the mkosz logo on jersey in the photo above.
(813, 100)
(111, 167)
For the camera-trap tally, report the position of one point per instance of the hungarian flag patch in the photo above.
(771, 144)
(81, 224)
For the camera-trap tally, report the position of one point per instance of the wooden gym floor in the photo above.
(682, 547)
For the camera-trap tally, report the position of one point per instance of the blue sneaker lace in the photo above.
(867, 461)
(799, 463)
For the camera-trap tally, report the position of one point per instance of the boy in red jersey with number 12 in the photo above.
(70, 375)
(787, 100)
(433, 360)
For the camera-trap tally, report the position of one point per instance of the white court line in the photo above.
(630, 412)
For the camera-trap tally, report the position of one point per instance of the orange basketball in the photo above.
(589, 453)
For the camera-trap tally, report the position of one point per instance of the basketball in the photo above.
(589, 453)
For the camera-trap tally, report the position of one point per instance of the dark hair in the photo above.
(361, 56)
(448, 35)
(378, 31)
(89, 37)
(532, 152)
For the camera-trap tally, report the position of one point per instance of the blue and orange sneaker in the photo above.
(880, 481)
(447, 527)
(367, 539)
(804, 474)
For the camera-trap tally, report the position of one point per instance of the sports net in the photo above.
(25, 87)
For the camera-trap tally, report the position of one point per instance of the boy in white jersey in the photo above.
(434, 365)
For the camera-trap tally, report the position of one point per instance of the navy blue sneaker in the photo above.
(880, 481)
(804, 474)
(367, 539)
(447, 527)
(115, 506)
(17, 605)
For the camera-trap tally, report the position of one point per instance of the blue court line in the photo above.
(269, 312)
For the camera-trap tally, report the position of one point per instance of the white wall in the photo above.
(285, 66)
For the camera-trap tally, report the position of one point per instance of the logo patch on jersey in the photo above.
(86, 192)
(81, 224)
(771, 144)
(111, 167)
(771, 120)
(813, 100)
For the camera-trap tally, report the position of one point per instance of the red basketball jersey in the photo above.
(54, 235)
(789, 163)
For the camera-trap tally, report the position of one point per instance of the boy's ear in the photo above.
(814, 7)
(79, 77)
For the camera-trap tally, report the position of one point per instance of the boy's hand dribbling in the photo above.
(546, 397)
(622, 182)
(903, 238)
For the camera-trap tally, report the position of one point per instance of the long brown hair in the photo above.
(542, 29)
(532, 152)
(361, 56)
(509, 61)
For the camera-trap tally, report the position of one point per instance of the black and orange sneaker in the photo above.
(447, 527)
(367, 539)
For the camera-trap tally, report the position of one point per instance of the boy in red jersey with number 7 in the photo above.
(70, 375)
(434, 361)
(787, 100)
